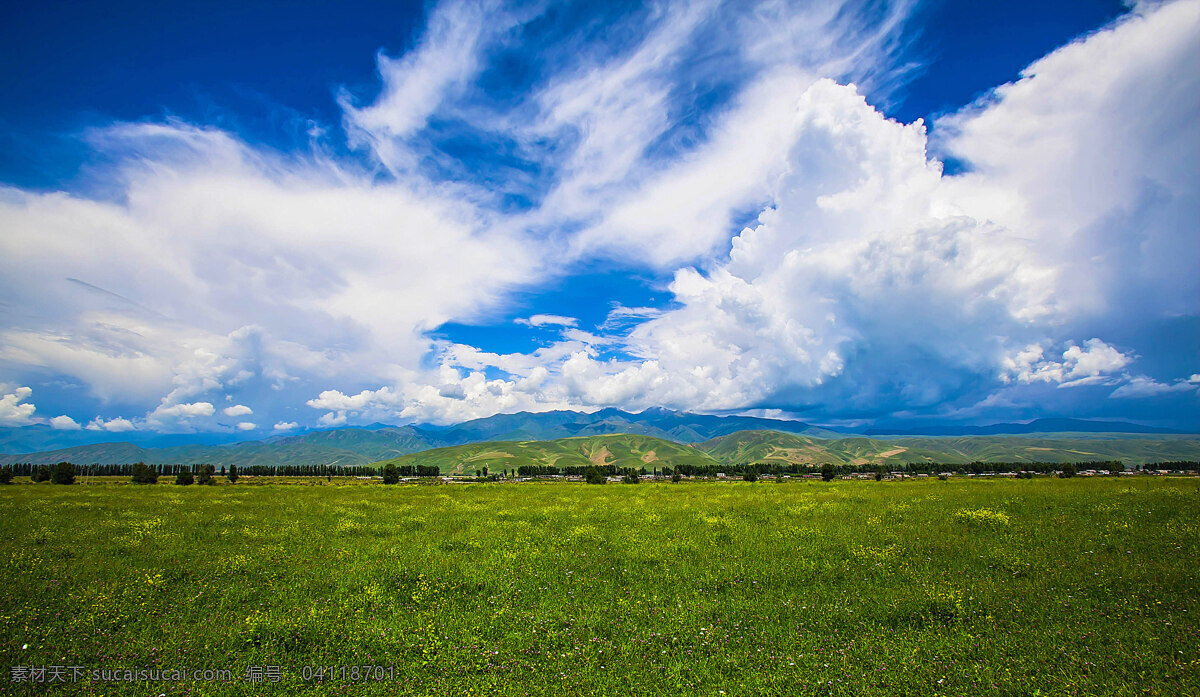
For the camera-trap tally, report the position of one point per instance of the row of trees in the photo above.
(142, 473)
(170, 470)
(755, 470)
(62, 473)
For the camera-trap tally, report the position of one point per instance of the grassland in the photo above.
(961, 587)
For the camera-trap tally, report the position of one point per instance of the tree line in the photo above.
(170, 470)
(142, 473)
(797, 469)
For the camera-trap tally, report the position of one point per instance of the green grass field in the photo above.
(961, 587)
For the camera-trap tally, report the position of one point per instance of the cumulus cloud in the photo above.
(15, 413)
(297, 299)
(666, 210)
(286, 426)
(869, 283)
(333, 418)
(184, 411)
(64, 423)
(237, 410)
(246, 426)
(1079, 365)
(876, 282)
(115, 425)
(873, 283)
(1092, 155)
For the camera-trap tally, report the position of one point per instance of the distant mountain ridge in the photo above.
(378, 442)
(1035, 426)
(359, 446)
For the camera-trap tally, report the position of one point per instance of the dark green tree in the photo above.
(390, 475)
(676, 477)
(594, 476)
(1115, 468)
(827, 472)
(206, 475)
(1068, 471)
(41, 474)
(64, 473)
(6, 475)
(233, 474)
(142, 474)
(750, 475)
(185, 478)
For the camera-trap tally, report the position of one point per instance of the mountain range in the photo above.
(1035, 426)
(358, 446)
(378, 442)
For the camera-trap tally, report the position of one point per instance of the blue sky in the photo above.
(268, 217)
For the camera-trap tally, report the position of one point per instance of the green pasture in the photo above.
(959, 587)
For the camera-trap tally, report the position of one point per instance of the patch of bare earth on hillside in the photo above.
(797, 455)
(600, 456)
(649, 457)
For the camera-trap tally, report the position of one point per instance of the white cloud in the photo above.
(13, 412)
(333, 418)
(64, 423)
(415, 85)
(286, 426)
(1092, 154)
(246, 426)
(869, 280)
(1079, 365)
(237, 410)
(335, 400)
(874, 282)
(620, 316)
(544, 320)
(664, 210)
(330, 277)
(114, 425)
(1143, 386)
(184, 411)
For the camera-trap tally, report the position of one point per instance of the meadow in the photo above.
(917, 587)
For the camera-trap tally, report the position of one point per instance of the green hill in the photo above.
(1131, 450)
(623, 450)
(772, 447)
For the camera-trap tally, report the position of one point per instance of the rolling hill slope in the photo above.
(772, 447)
(724, 439)
(624, 450)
